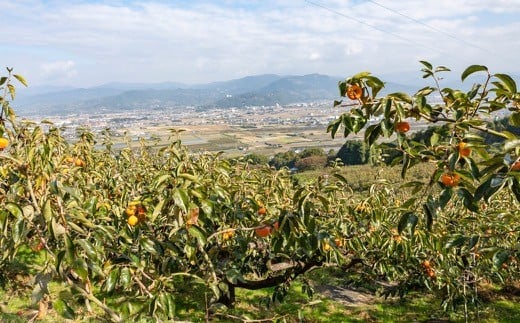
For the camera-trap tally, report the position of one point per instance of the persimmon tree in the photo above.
(132, 230)
(468, 175)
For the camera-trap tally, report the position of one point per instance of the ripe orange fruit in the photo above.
(431, 273)
(3, 143)
(263, 231)
(130, 210)
(338, 242)
(227, 235)
(426, 264)
(132, 220)
(402, 126)
(463, 150)
(79, 163)
(354, 92)
(262, 211)
(450, 179)
(516, 166)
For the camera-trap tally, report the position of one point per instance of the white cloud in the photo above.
(92, 43)
(59, 70)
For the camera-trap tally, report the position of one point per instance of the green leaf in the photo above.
(63, 309)
(514, 119)
(473, 241)
(189, 177)
(472, 69)
(401, 96)
(485, 190)
(372, 133)
(430, 212)
(112, 279)
(445, 197)
(455, 242)
(18, 230)
(516, 189)
(168, 304)
(333, 127)
(125, 277)
(508, 82)
(14, 209)
(408, 219)
(89, 249)
(426, 64)
(442, 69)
(434, 139)
(336, 102)
(148, 245)
(467, 199)
(12, 91)
(161, 180)
(499, 258)
(406, 165)
(181, 198)
(20, 79)
(342, 86)
(69, 248)
(197, 233)
(81, 268)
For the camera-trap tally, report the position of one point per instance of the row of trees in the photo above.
(353, 152)
(357, 152)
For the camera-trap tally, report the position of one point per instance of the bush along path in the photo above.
(129, 231)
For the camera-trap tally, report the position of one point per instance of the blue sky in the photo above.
(86, 43)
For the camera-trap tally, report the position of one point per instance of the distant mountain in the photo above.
(267, 89)
(241, 85)
(290, 89)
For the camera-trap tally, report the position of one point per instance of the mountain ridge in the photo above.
(263, 89)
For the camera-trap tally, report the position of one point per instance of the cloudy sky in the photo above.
(90, 42)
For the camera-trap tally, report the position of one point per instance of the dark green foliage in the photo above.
(353, 152)
(286, 159)
(256, 159)
(308, 152)
(311, 163)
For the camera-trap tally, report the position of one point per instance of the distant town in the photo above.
(262, 129)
